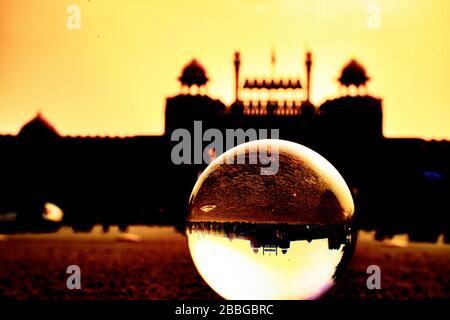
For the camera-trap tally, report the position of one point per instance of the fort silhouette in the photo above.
(399, 185)
(274, 236)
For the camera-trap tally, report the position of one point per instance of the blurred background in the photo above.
(91, 91)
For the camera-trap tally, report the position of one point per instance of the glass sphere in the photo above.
(270, 219)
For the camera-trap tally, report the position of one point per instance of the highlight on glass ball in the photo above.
(270, 219)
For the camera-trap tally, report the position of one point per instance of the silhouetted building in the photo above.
(399, 185)
(183, 109)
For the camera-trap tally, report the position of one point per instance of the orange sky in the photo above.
(111, 77)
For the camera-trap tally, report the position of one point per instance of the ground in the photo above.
(160, 267)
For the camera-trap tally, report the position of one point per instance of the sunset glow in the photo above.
(112, 76)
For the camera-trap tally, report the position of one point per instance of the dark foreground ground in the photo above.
(160, 267)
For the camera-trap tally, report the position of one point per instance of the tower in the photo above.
(308, 63)
(353, 118)
(237, 65)
(307, 108)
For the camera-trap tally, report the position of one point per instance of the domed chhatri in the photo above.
(193, 74)
(353, 74)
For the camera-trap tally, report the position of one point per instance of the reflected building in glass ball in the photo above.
(278, 232)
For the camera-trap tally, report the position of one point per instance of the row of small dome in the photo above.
(194, 74)
(272, 84)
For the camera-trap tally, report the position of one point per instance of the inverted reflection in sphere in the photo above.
(278, 229)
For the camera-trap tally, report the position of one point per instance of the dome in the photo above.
(193, 74)
(353, 74)
(38, 127)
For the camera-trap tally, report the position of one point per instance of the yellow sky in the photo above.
(111, 77)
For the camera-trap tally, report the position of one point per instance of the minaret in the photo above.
(307, 108)
(308, 63)
(237, 64)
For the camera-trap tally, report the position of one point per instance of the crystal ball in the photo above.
(270, 219)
